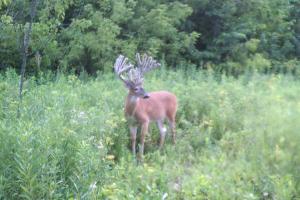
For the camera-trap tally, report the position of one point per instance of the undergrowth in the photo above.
(237, 139)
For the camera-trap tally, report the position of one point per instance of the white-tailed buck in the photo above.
(141, 107)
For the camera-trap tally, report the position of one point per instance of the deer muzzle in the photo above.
(146, 96)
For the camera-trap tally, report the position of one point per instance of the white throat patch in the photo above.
(134, 99)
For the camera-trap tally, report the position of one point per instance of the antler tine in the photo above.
(135, 76)
(146, 63)
(122, 66)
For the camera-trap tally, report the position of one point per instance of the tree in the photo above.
(76, 35)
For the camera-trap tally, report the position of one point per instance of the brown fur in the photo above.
(160, 105)
(139, 111)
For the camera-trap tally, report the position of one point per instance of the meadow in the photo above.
(237, 138)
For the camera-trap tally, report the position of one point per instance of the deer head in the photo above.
(133, 77)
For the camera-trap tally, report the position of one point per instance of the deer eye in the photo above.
(136, 89)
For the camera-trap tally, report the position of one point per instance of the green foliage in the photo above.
(90, 42)
(252, 45)
(4, 2)
(235, 30)
(86, 36)
(237, 138)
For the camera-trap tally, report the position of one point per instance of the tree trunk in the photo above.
(24, 52)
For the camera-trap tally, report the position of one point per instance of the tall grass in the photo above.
(237, 139)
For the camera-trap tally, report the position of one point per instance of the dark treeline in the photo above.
(86, 35)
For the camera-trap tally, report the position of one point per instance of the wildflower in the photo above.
(110, 157)
(81, 114)
(93, 185)
(150, 169)
(164, 196)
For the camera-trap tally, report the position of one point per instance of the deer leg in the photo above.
(143, 134)
(133, 130)
(162, 131)
(172, 128)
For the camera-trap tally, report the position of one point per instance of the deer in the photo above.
(141, 107)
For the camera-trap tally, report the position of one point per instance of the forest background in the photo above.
(230, 36)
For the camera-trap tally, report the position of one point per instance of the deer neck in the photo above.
(131, 104)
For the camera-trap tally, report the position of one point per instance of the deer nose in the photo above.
(146, 96)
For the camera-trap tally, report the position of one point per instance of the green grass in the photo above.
(237, 139)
